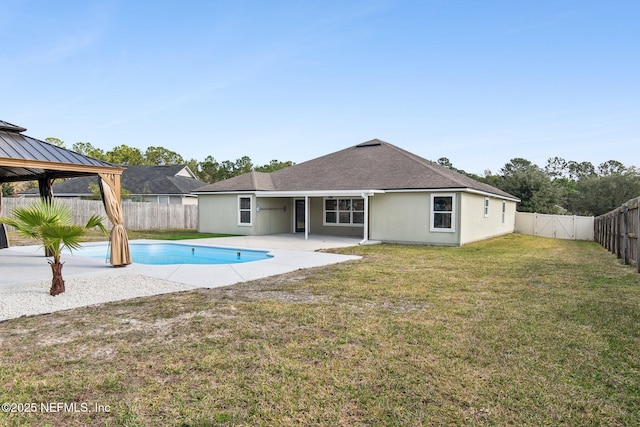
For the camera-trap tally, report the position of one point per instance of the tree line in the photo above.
(560, 187)
(209, 170)
(564, 186)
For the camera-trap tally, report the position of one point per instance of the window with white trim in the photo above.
(486, 207)
(343, 211)
(244, 210)
(443, 208)
(504, 211)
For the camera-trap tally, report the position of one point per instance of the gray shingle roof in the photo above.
(137, 180)
(372, 165)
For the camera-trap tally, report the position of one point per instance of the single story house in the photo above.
(372, 190)
(170, 184)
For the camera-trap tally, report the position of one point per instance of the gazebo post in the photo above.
(45, 186)
(4, 240)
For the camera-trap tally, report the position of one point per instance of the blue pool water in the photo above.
(172, 253)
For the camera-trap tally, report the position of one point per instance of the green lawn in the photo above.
(516, 330)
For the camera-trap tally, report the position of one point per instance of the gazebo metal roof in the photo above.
(23, 158)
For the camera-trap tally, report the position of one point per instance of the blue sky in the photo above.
(479, 82)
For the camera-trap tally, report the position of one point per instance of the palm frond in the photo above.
(96, 222)
(57, 237)
(23, 229)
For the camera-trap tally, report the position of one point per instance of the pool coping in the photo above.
(259, 254)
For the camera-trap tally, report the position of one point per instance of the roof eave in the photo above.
(357, 192)
(296, 193)
(67, 167)
(452, 189)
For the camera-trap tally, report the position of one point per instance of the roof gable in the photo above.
(371, 165)
(251, 181)
(137, 179)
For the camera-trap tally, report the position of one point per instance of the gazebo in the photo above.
(23, 158)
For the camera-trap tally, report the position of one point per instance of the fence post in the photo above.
(638, 234)
(609, 231)
(614, 232)
(625, 233)
(619, 217)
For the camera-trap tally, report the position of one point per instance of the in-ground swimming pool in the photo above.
(173, 253)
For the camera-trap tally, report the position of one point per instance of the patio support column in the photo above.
(365, 237)
(306, 217)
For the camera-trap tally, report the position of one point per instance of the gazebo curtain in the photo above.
(120, 255)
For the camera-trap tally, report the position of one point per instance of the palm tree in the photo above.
(52, 223)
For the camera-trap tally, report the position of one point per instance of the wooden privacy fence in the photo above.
(137, 215)
(618, 232)
(570, 227)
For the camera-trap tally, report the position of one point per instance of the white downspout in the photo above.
(306, 217)
(365, 237)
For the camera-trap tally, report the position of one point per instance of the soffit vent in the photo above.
(372, 143)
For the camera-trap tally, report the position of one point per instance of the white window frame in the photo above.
(164, 200)
(433, 228)
(337, 212)
(504, 211)
(241, 210)
(486, 207)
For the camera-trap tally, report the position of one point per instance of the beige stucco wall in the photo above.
(475, 226)
(405, 217)
(219, 214)
(272, 217)
(394, 217)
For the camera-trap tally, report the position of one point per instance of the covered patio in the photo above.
(307, 219)
(23, 158)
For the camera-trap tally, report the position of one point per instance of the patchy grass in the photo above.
(515, 330)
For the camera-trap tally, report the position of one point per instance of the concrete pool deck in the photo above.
(26, 264)
(25, 277)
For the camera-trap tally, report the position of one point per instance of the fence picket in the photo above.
(137, 215)
(555, 226)
(619, 230)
